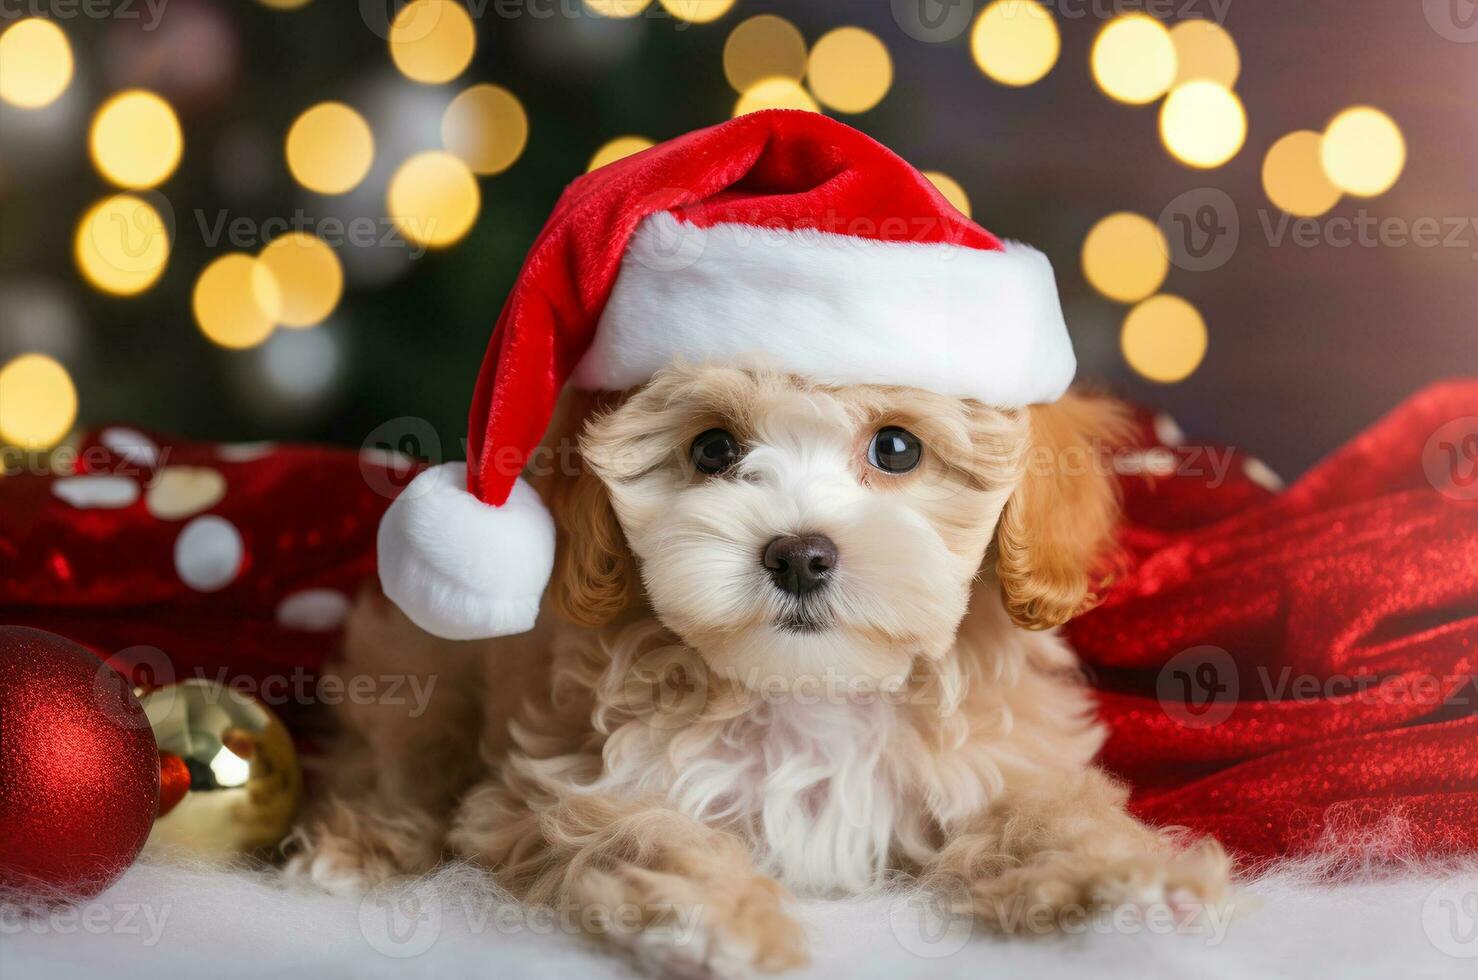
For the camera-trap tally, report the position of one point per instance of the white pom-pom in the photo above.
(459, 568)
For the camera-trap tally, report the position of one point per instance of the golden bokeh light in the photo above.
(1164, 339)
(434, 199)
(1015, 42)
(38, 402)
(1203, 124)
(850, 70)
(1125, 257)
(617, 8)
(308, 278)
(285, 4)
(951, 189)
(1205, 50)
(1293, 176)
(135, 140)
(764, 47)
(618, 149)
(697, 11)
(775, 93)
(35, 63)
(487, 127)
(121, 245)
(1363, 151)
(432, 41)
(236, 301)
(330, 148)
(1134, 59)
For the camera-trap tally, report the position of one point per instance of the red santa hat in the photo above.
(781, 232)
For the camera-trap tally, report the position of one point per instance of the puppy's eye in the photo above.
(715, 451)
(895, 450)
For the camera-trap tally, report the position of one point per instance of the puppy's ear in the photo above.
(594, 571)
(595, 574)
(1061, 518)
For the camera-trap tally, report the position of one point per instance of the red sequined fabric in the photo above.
(1293, 671)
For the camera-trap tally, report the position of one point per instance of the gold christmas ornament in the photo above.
(230, 782)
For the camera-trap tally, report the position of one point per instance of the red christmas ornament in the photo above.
(79, 769)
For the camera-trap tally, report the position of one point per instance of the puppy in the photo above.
(798, 641)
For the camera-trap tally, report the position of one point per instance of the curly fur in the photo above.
(664, 744)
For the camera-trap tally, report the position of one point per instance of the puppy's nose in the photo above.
(799, 565)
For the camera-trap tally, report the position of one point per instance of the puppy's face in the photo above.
(787, 530)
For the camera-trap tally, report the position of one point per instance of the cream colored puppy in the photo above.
(797, 642)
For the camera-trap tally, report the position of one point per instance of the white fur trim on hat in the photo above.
(462, 569)
(836, 308)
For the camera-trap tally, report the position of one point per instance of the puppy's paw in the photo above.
(1051, 891)
(335, 869)
(348, 851)
(733, 936)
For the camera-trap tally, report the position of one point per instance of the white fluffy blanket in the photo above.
(164, 921)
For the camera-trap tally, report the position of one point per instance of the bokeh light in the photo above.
(486, 127)
(697, 11)
(1015, 42)
(1126, 257)
(850, 70)
(35, 63)
(775, 93)
(135, 140)
(951, 189)
(299, 367)
(38, 402)
(764, 47)
(1293, 176)
(618, 149)
(1164, 339)
(121, 245)
(236, 301)
(1134, 59)
(1363, 151)
(1203, 124)
(307, 276)
(432, 41)
(434, 199)
(1205, 50)
(617, 8)
(284, 4)
(330, 148)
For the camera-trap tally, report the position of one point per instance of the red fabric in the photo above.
(108, 577)
(1334, 624)
(776, 169)
(1287, 671)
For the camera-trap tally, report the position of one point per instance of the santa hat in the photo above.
(781, 232)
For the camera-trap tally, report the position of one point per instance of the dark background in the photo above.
(1307, 345)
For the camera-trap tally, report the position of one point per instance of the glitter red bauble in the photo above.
(79, 770)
